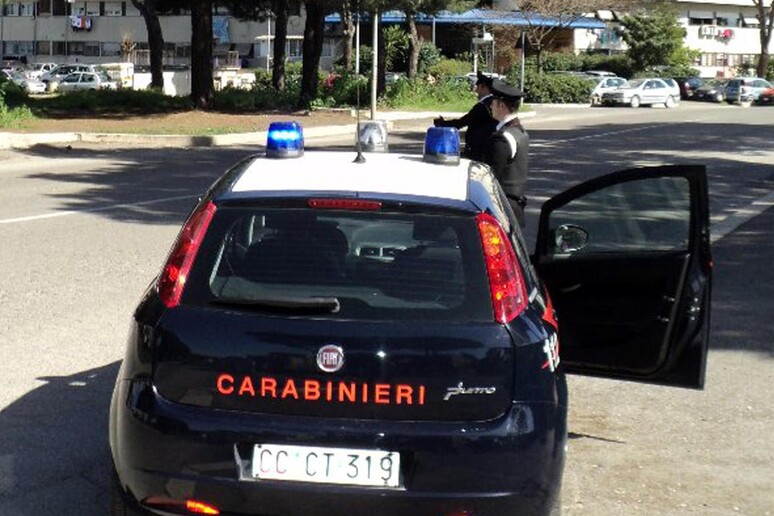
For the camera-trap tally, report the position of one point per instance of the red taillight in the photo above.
(180, 506)
(344, 204)
(506, 283)
(197, 507)
(173, 277)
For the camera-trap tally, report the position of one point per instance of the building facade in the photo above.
(62, 31)
(725, 32)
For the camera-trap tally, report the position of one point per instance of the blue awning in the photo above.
(488, 17)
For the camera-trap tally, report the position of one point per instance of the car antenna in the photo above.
(358, 146)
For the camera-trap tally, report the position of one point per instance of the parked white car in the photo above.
(55, 76)
(80, 81)
(641, 92)
(24, 82)
(603, 85)
(36, 70)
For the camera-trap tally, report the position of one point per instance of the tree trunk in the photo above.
(280, 41)
(348, 33)
(414, 45)
(313, 44)
(202, 90)
(766, 19)
(149, 11)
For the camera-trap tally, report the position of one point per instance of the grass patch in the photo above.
(15, 118)
(108, 103)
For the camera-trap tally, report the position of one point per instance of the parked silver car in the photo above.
(641, 92)
(603, 85)
(80, 81)
(22, 81)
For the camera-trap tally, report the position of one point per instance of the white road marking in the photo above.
(740, 216)
(92, 210)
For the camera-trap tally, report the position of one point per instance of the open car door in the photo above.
(626, 259)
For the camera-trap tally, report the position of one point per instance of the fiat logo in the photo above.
(330, 358)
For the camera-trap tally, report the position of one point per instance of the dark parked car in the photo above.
(688, 86)
(713, 90)
(334, 337)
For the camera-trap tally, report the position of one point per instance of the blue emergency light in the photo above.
(285, 140)
(442, 145)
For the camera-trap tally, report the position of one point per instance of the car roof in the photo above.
(393, 175)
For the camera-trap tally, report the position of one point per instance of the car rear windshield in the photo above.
(339, 264)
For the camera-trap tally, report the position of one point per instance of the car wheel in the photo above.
(669, 102)
(118, 503)
(595, 100)
(635, 102)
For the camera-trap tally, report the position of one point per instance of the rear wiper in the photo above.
(287, 303)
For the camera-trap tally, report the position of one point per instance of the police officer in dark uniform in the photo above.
(478, 120)
(508, 148)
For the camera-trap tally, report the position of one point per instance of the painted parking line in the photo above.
(67, 213)
(737, 218)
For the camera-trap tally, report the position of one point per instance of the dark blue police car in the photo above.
(332, 337)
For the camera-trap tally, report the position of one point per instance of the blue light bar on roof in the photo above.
(442, 145)
(285, 140)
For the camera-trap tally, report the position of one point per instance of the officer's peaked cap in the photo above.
(483, 79)
(503, 90)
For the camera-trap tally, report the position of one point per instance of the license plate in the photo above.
(373, 468)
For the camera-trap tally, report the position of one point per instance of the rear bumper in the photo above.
(512, 465)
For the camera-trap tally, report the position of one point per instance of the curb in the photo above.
(27, 140)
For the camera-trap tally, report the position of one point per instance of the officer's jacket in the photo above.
(480, 124)
(507, 155)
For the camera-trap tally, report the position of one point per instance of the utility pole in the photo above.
(375, 65)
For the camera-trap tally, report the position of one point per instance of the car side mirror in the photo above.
(569, 238)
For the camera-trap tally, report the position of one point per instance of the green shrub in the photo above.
(553, 88)
(557, 62)
(12, 95)
(14, 117)
(112, 101)
(618, 64)
(341, 89)
(239, 100)
(429, 56)
(421, 92)
(396, 45)
(449, 68)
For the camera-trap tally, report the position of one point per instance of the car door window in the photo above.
(636, 216)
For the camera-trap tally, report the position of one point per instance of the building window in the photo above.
(92, 9)
(114, 9)
(27, 9)
(111, 49)
(59, 48)
(75, 48)
(43, 48)
(329, 47)
(19, 48)
(91, 49)
(11, 9)
(295, 48)
(182, 50)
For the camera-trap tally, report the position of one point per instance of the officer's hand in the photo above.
(438, 122)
